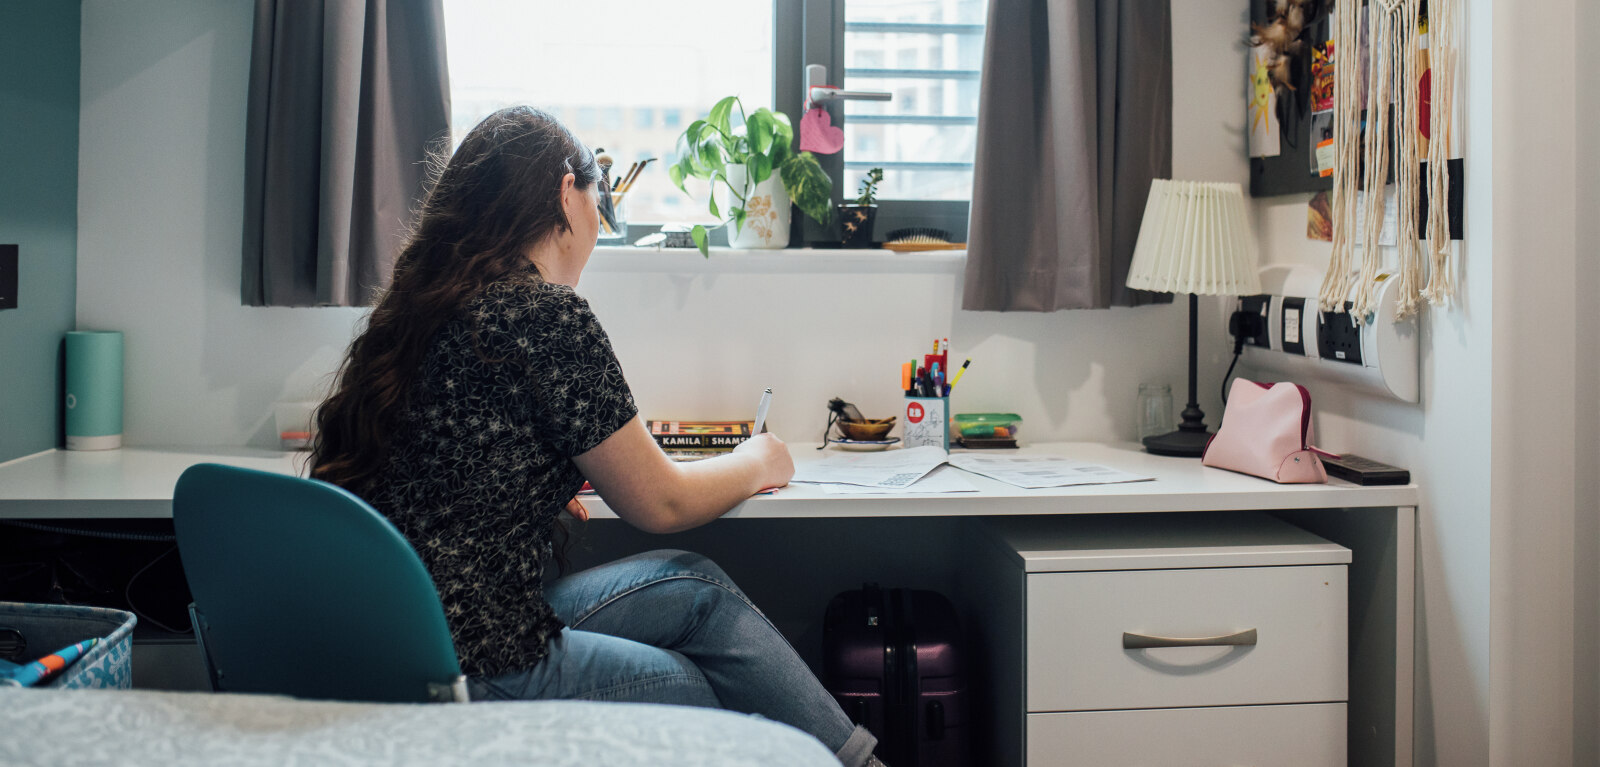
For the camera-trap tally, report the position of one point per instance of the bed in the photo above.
(137, 727)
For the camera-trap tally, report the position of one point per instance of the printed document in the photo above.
(940, 480)
(890, 468)
(1042, 470)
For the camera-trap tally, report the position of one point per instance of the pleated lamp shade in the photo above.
(1195, 238)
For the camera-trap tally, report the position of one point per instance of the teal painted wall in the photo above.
(39, 60)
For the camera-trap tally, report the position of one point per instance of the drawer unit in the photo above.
(1167, 639)
(1255, 635)
(1309, 735)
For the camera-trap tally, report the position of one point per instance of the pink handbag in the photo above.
(1265, 432)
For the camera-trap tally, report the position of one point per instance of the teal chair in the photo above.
(302, 589)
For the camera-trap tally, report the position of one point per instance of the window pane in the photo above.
(891, 142)
(918, 184)
(607, 68)
(928, 53)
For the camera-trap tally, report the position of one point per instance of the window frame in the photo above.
(812, 32)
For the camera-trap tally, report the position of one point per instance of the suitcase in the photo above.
(892, 659)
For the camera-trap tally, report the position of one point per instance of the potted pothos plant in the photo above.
(856, 217)
(755, 162)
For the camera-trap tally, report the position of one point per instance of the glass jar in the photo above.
(1155, 410)
(618, 235)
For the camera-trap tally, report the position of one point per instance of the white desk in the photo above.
(138, 482)
(1377, 523)
(130, 483)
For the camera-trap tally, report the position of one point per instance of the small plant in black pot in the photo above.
(855, 218)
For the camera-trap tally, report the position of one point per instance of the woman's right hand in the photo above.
(773, 457)
(656, 495)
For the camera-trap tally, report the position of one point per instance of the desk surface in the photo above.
(137, 483)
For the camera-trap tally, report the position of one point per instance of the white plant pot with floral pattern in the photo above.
(766, 221)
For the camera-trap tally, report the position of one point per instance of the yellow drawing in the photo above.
(1260, 95)
(1263, 129)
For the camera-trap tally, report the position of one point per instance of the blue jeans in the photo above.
(670, 627)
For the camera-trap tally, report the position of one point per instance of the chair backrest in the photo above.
(303, 589)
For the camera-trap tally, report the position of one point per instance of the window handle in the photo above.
(818, 89)
(1132, 641)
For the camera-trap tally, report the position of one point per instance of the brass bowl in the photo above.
(866, 431)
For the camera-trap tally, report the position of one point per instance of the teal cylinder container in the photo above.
(94, 390)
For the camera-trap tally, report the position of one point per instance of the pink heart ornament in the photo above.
(817, 133)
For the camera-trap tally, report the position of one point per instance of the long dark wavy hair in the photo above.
(494, 199)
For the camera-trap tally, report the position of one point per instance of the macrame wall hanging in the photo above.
(1393, 89)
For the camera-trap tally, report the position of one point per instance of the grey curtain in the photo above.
(1074, 121)
(345, 98)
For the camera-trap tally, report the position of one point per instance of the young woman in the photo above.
(471, 409)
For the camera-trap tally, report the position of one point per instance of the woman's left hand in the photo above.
(576, 509)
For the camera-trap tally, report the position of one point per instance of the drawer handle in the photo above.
(1132, 641)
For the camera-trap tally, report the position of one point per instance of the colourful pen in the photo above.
(960, 372)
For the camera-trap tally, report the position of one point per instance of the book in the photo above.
(700, 435)
(685, 456)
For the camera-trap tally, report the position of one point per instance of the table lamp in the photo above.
(1195, 239)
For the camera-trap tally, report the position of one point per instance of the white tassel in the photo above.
(1346, 142)
(1392, 44)
(1375, 160)
(1408, 158)
(1443, 57)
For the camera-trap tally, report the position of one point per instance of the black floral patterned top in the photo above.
(522, 380)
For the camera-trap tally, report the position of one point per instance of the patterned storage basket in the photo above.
(48, 628)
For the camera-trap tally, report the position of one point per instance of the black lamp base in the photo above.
(1181, 443)
(1191, 438)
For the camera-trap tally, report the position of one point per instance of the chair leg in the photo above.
(454, 692)
(197, 620)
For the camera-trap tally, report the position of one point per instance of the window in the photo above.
(925, 138)
(611, 57)
(674, 60)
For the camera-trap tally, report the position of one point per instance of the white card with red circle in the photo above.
(927, 422)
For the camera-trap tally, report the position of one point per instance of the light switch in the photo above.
(8, 276)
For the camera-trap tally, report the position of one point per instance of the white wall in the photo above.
(1535, 445)
(161, 174)
(1586, 410)
(161, 184)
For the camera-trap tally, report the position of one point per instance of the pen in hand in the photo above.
(761, 412)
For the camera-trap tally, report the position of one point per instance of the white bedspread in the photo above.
(122, 727)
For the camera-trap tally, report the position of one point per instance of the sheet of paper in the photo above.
(940, 480)
(890, 468)
(1042, 470)
(1391, 215)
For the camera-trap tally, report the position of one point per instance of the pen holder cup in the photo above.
(927, 422)
(619, 235)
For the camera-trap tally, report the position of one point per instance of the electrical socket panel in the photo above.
(1338, 336)
(1304, 344)
(1259, 306)
(1292, 325)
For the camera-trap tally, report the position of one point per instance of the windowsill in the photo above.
(625, 258)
